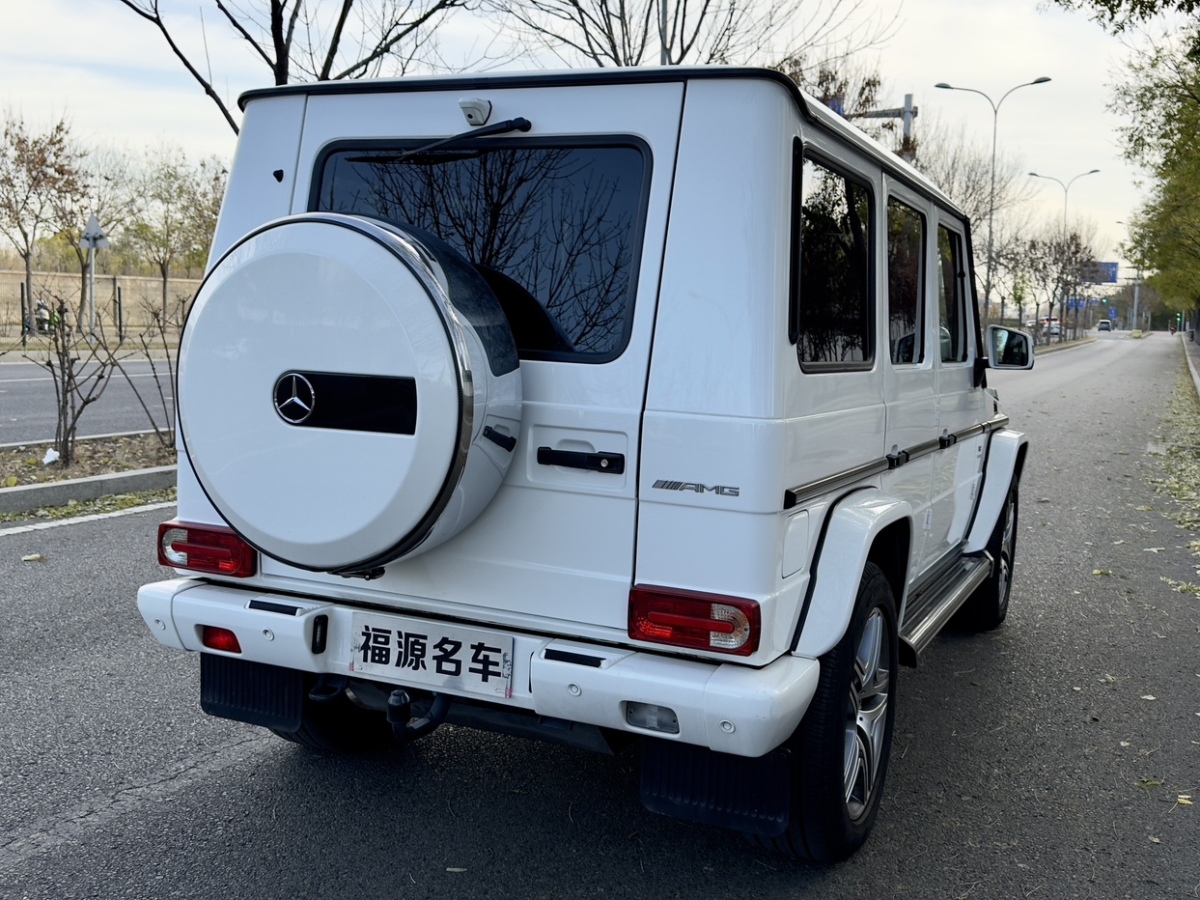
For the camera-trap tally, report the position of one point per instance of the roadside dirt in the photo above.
(23, 465)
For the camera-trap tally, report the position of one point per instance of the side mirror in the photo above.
(1008, 348)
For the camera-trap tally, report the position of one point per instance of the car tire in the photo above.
(987, 607)
(839, 753)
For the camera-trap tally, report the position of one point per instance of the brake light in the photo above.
(219, 639)
(205, 548)
(693, 620)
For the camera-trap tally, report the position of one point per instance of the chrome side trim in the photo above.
(802, 493)
(797, 495)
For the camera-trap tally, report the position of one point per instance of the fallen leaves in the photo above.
(1181, 587)
(111, 503)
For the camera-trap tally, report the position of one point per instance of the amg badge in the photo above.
(697, 487)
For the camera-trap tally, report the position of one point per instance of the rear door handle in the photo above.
(612, 463)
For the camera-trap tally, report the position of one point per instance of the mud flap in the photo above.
(252, 692)
(701, 786)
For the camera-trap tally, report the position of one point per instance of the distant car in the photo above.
(1104, 325)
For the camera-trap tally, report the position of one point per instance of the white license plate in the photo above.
(432, 654)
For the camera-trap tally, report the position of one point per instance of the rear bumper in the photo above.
(725, 707)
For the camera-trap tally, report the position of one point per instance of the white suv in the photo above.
(590, 406)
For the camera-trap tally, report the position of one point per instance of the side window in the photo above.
(832, 270)
(905, 284)
(951, 296)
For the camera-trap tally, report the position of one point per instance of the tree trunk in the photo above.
(83, 292)
(165, 269)
(27, 258)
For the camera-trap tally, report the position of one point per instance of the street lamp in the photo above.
(1066, 193)
(987, 284)
(1066, 189)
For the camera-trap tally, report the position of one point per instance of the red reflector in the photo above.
(205, 548)
(219, 639)
(693, 620)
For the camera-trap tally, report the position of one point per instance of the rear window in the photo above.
(555, 230)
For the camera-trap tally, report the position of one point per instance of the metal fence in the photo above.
(125, 304)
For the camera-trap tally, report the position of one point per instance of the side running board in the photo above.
(933, 605)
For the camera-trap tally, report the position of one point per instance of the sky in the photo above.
(114, 78)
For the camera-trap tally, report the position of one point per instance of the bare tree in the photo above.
(963, 169)
(205, 193)
(1058, 262)
(108, 191)
(164, 378)
(80, 371)
(162, 229)
(311, 40)
(639, 32)
(36, 172)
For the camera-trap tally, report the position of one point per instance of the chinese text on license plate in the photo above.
(434, 654)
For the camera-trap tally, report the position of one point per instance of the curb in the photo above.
(1192, 363)
(28, 497)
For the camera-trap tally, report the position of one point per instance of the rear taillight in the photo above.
(693, 620)
(219, 639)
(205, 548)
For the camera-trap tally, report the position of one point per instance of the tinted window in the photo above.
(906, 242)
(555, 231)
(834, 262)
(951, 297)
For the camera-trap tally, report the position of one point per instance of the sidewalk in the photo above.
(1191, 351)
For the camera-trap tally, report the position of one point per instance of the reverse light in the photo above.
(205, 548)
(651, 717)
(219, 639)
(693, 620)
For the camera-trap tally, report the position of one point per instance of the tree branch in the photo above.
(156, 18)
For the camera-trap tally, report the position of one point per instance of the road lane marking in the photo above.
(95, 517)
(49, 378)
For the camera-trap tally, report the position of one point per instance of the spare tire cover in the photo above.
(348, 391)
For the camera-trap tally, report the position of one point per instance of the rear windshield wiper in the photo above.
(517, 124)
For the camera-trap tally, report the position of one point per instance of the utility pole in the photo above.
(662, 32)
(93, 239)
(907, 112)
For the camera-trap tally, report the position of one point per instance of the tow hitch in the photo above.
(405, 727)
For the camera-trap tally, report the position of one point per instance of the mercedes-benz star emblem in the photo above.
(294, 397)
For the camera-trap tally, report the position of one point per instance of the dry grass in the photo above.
(23, 465)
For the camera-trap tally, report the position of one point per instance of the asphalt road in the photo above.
(28, 409)
(1028, 762)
